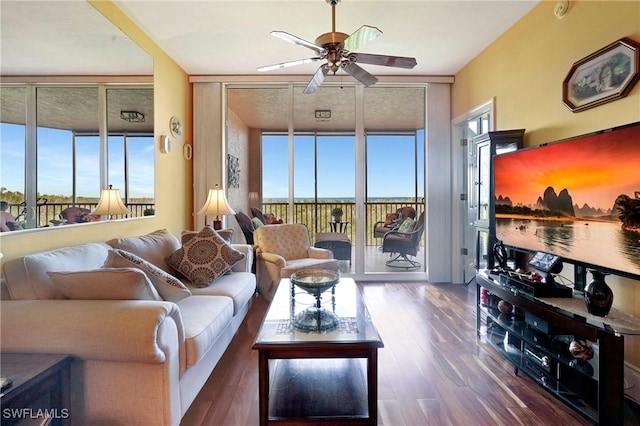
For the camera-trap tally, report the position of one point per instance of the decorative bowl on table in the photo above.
(315, 282)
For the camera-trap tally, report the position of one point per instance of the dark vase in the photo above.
(598, 295)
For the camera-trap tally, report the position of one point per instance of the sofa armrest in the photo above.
(246, 264)
(319, 253)
(107, 330)
(273, 258)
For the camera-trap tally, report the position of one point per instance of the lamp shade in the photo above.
(110, 203)
(216, 203)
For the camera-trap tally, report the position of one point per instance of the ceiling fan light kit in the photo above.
(338, 50)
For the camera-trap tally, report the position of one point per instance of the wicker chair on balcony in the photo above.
(392, 221)
(404, 243)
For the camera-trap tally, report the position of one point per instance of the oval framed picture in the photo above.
(176, 127)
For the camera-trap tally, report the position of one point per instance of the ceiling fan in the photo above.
(338, 50)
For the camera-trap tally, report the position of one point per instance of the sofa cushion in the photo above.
(205, 258)
(27, 278)
(105, 284)
(168, 286)
(153, 247)
(204, 319)
(239, 286)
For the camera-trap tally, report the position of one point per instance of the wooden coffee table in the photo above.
(318, 376)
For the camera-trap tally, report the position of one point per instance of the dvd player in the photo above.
(522, 286)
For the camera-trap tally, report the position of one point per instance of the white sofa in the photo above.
(136, 362)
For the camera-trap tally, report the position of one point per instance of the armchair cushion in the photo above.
(205, 258)
(105, 284)
(168, 286)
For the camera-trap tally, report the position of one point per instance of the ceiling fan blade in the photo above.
(359, 74)
(297, 40)
(288, 64)
(317, 79)
(361, 36)
(384, 60)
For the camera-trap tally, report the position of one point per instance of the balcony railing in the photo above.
(48, 212)
(317, 216)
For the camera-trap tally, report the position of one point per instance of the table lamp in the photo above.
(217, 205)
(110, 203)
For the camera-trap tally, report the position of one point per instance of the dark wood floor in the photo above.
(432, 371)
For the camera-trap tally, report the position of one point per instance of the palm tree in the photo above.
(628, 210)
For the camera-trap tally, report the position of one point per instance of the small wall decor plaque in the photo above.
(604, 76)
(233, 171)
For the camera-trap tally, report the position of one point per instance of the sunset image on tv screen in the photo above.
(578, 198)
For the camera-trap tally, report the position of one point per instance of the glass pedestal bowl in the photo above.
(315, 282)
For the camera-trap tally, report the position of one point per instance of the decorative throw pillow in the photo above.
(407, 225)
(205, 258)
(105, 284)
(226, 234)
(168, 286)
(256, 223)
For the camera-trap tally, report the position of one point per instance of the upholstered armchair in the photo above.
(284, 249)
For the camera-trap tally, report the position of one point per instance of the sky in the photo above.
(391, 167)
(594, 169)
(391, 164)
(55, 174)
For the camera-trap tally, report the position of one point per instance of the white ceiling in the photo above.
(232, 36)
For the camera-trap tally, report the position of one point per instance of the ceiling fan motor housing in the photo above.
(331, 40)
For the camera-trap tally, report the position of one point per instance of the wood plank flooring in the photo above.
(432, 371)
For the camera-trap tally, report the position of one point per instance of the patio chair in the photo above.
(392, 221)
(404, 244)
(284, 249)
(77, 215)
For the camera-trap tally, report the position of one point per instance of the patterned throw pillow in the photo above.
(169, 287)
(226, 234)
(407, 225)
(105, 284)
(205, 257)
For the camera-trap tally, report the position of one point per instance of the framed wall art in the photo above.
(604, 76)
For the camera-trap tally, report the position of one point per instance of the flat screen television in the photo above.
(577, 198)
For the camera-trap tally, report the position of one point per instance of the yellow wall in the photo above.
(173, 175)
(523, 72)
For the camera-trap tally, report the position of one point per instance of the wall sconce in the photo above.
(254, 198)
(165, 144)
(110, 204)
(217, 205)
(132, 116)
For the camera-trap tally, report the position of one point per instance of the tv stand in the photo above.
(535, 337)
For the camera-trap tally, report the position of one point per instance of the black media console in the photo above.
(534, 332)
